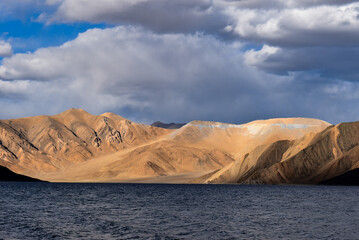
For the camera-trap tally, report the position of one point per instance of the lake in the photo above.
(160, 211)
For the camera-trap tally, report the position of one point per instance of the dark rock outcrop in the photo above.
(167, 125)
(350, 178)
(8, 176)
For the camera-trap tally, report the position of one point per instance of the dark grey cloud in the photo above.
(280, 4)
(158, 15)
(334, 62)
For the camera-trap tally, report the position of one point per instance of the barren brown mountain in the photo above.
(308, 160)
(76, 146)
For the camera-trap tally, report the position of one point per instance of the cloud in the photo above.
(134, 72)
(180, 60)
(5, 49)
(23, 9)
(306, 35)
(259, 57)
(334, 62)
(280, 4)
(277, 22)
(312, 26)
(146, 76)
(300, 36)
(158, 15)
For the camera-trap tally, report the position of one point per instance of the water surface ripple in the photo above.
(150, 211)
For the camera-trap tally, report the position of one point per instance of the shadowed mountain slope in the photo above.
(9, 176)
(350, 178)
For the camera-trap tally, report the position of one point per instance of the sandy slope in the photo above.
(75, 146)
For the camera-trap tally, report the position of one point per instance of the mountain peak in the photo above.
(113, 115)
(74, 111)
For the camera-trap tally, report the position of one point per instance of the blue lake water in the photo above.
(150, 211)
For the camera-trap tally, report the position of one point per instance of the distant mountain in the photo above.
(9, 176)
(76, 146)
(167, 125)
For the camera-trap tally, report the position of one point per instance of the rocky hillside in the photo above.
(48, 143)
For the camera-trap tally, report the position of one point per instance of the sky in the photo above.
(181, 60)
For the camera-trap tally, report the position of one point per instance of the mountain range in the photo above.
(76, 146)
